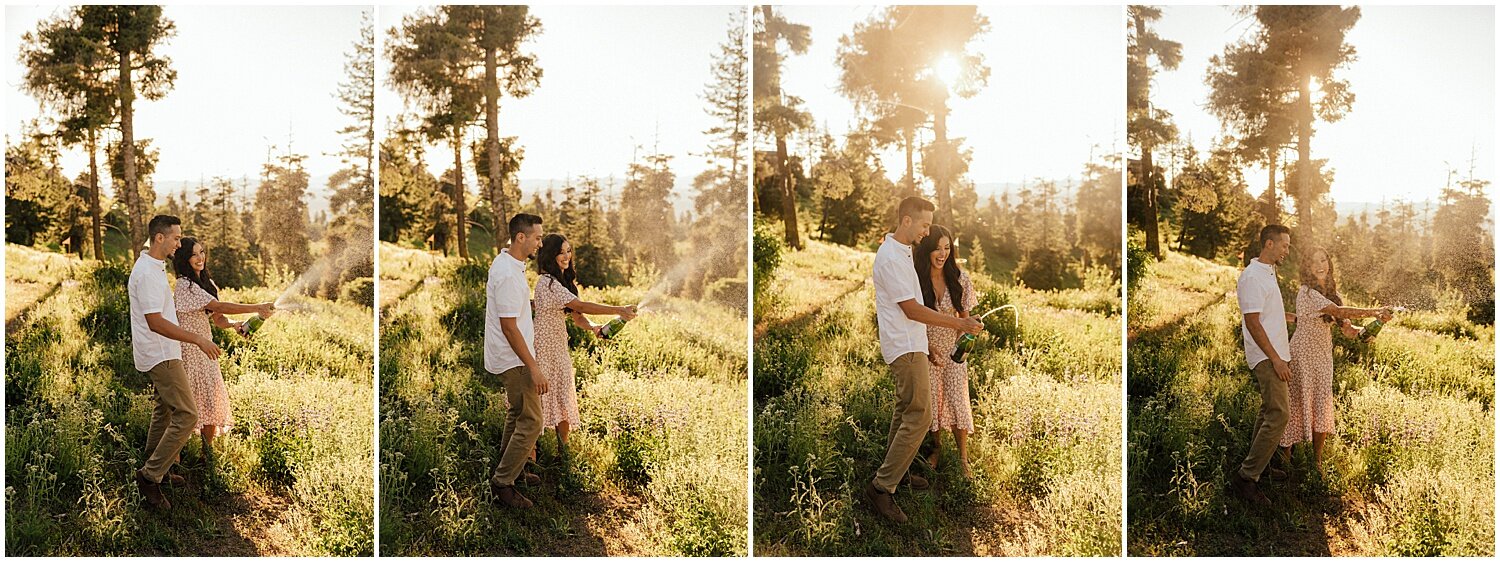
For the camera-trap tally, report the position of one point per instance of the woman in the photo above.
(947, 290)
(1319, 307)
(555, 299)
(198, 304)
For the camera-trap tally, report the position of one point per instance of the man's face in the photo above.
(1280, 246)
(917, 225)
(529, 241)
(172, 238)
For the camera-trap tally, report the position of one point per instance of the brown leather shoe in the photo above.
(152, 492)
(916, 482)
(883, 503)
(531, 479)
(1247, 491)
(1274, 473)
(508, 495)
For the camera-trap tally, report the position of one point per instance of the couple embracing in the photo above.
(919, 316)
(526, 344)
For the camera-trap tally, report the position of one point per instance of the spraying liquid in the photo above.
(966, 341)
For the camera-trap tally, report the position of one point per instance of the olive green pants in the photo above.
(1271, 422)
(910, 421)
(523, 424)
(173, 420)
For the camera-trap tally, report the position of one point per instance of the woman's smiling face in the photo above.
(199, 259)
(565, 257)
(940, 255)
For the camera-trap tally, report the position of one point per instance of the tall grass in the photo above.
(657, 468)
(293, 477)
(1409, 470)
(1045, 450)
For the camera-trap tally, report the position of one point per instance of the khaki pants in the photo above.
(523, 424)
(1270, 424)
(173, 420)
(910, 421)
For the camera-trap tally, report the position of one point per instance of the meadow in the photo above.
(1046, 400)
(294, 477)
(657, 468)
(1409, 470)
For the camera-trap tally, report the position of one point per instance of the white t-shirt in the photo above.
(506, 295)
(1258, 292)
(151, 293)
(896, 281)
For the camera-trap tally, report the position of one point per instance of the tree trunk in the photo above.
(911, 176)
(1270, 206)
(1148, 183)
(133, 205)
(96, 226)
(788, 195)
(941, 177)
(1304, 157)
(498, 205)
(458, 192)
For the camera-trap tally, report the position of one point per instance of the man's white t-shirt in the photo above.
(151, 293)
(1258, 292)
(507, 295)
(896, 281)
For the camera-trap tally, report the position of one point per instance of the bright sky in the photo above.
(1424, 90)
(613, 78)
(1055, 88)
(247, 78)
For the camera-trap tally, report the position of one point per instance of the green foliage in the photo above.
(1411, 457)
(654, 468)
(1045, 451)
(78, 412)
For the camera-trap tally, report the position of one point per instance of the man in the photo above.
(1267, 349)
(903, 320)
(154, 342)
(509, 351)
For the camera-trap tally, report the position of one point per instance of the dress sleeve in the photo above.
(971, 297)
(190, 297)
(1311, 303)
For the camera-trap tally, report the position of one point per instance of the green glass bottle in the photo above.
(1371, 330)
(253, 324)
(613, 327)
(965, 345)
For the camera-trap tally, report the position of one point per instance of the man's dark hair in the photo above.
(911, 206)
(1272, 231)
(160, 224)
(522, 222)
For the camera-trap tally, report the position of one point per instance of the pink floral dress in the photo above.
(560, 403)
(203, 373)
(1311, 387)
(949, 380)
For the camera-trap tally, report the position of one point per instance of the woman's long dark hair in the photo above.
(185, 270)
(922, 258)
(546, 262)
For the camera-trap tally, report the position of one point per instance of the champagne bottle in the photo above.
(965, 345)
(253, 324)
(1371, 330)
(613, 327)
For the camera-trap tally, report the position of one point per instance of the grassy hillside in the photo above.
(1410, 468)
(658, 467)
(294, 477)
(1046, 446)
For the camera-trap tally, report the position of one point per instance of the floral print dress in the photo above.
(1311, 388)
(560, 403)
(949, 380)
(204, 376)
